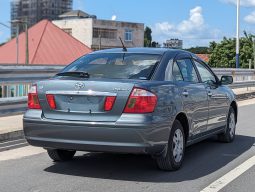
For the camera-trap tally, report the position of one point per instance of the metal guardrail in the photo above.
(244, 84)
(17, 74)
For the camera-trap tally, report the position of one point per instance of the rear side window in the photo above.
(116, 65)
(177, 73)
(187, 70)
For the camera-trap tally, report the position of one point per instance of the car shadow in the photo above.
(201, 159)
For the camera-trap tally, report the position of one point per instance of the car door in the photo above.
(218, 100)
(193, 94)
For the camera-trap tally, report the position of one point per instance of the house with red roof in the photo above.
(48, 45)
(204, 57)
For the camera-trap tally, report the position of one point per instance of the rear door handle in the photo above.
(185, 93)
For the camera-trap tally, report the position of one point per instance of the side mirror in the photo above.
(226, 80)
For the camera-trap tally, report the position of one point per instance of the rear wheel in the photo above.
(175, 150)
(229, 135)
(60, 155)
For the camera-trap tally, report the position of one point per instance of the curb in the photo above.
(245, 96)
(11, 135)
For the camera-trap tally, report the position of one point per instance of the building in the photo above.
(101, 34)
(34, 11)
(48, 45)
(173, 44)
(204, 57)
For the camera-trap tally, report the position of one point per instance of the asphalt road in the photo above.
(24, 168)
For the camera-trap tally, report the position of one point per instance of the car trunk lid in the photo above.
(84, 100)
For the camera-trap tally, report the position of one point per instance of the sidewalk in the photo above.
(11, 127)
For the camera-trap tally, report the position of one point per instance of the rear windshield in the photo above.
(116, 65)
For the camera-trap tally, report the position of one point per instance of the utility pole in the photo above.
(24, 23)
(237, 33)
(27, 48)
(17, 44)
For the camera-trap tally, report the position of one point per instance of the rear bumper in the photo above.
(104, 137)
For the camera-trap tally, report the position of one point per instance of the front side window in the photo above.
(187, 70)
(128, 35)
(205, 74)
(116, 65)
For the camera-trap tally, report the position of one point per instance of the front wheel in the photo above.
(60, 155)
(229, 135)
(175, 150)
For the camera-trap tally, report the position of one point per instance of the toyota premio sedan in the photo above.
(136, 100)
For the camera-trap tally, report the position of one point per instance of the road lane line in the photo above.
(230, 176)
(12, 141)
(20, 153)
(6, 147)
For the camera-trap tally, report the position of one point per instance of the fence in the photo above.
(15, 80)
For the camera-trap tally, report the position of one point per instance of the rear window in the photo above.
(116, 65)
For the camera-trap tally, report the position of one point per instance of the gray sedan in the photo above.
(139, 100)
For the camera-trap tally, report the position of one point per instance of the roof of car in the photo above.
(139, 50)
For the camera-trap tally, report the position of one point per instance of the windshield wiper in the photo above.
(79, 74)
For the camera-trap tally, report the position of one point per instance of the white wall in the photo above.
(81, 29)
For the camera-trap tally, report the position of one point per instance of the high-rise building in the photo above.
(34, 11)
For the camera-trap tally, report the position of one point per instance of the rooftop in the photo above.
(76, 14)
(48, 44)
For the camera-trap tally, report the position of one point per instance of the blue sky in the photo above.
(197, 22)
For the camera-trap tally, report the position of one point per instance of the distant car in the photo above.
(139, 100)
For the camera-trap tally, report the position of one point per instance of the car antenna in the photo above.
(123, 45)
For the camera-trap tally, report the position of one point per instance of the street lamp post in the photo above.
(237, 33)
(253, 43)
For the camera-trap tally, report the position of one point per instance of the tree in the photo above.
(199, 50)
(155, 44)
(147, 37)
(223, 54)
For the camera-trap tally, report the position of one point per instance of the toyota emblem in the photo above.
(79, 85)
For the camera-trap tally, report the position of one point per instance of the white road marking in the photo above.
(230, 176)
(11, 141)
(20, 153)
(6, 147)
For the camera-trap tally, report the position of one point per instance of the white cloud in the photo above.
(193, 30)
(246, 3)
(114, 17)
(195, 21)
(250, 18)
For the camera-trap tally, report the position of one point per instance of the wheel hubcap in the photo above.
(232, 125)
(178, 145)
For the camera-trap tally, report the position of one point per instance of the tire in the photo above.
(60, 155)
(229, 134)
(170, 161)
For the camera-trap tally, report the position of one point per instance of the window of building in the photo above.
(68, 30)
(128, 35)
(104, 33)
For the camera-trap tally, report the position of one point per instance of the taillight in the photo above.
(51, 101)
(141, 101)
(109, 102)
(33, 101)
